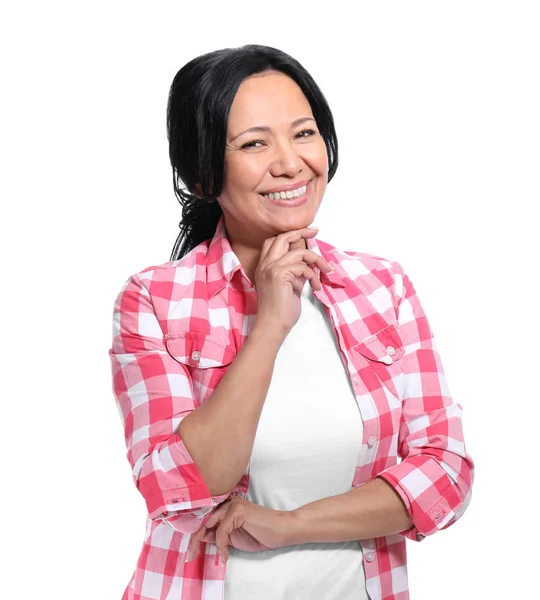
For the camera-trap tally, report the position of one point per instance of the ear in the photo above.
(197, 190)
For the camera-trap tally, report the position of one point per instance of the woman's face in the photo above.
(260, 161)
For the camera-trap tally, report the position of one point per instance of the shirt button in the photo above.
(195, 355)
(371, 441)
(355, 379)
(369, 557)
(391, 350)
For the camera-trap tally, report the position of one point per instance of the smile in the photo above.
(288, 194)
(290, 198)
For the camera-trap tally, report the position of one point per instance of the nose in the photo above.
(286, 160)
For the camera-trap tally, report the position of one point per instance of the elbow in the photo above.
(436, 492)
(459, 471)
(452, 473)
(219, 472)
(219, 488)
(459, 494)
(454, 500)
(172, 486)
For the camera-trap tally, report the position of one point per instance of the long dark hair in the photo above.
(200, 98)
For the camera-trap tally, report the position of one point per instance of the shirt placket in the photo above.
(364, 400)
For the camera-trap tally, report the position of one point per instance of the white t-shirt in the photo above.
(303, 452)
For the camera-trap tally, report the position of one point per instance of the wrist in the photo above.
(267, 334)
(291, 529)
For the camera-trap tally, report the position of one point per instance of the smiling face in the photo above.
(289, 153)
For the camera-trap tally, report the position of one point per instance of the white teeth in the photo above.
(290, 194)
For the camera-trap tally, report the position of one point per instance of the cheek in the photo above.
(244, 172)
(318, 158)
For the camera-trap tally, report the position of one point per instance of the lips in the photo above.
(290, 202)
(287, 188)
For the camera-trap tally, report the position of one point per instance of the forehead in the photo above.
(267, 99)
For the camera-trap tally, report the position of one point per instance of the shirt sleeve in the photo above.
(435, 476)
(153, 393)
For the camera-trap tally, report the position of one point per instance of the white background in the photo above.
(436, 107)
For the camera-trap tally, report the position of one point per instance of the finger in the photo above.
(279, 245)
(302, 270)
(209, 534)
(314, 281)
(194, 546)
(284, 241)
(222, 536)
(218, 514)
(193, 551)
(307, 256)
(194, 543)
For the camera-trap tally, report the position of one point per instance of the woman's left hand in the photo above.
(243, 525)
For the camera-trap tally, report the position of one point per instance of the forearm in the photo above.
(368, 511)
(220, 433)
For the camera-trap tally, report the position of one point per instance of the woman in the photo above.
(267, 380)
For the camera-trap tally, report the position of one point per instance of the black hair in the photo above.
(199, 102)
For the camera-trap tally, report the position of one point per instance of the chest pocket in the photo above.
(380, 358)
(207, 358)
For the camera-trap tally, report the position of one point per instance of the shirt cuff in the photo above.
(173, 487)
(428, 494)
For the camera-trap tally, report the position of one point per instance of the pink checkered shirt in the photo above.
(178, 326)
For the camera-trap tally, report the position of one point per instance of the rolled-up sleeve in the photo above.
(434, 478)
(153, 393)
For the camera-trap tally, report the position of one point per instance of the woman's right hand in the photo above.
(280, 277)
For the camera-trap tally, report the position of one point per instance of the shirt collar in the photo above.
(222, 264)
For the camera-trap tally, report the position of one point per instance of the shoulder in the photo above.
(165, 291)
(166, 282)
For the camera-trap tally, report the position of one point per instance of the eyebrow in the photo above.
(265, 128)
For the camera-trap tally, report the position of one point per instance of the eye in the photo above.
(310, 131)
(252, 144)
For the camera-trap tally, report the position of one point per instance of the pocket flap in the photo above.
(385, 346)
(196, 349)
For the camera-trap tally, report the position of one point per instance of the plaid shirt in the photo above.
(176, 329)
